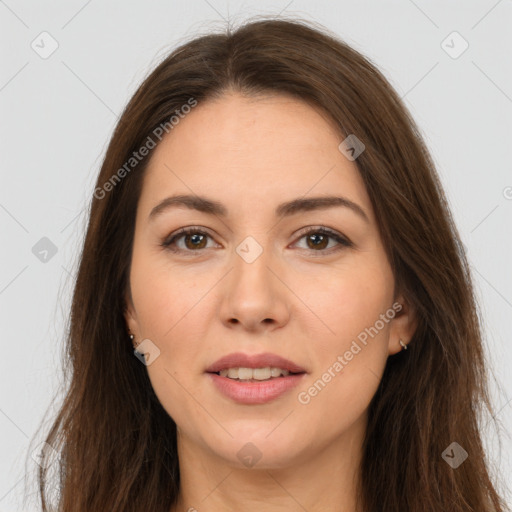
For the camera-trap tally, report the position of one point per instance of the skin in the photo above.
(304, 303)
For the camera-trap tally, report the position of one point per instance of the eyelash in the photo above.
(342, 241)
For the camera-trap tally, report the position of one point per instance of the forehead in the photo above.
(252, 152)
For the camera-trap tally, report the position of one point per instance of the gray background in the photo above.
(58, 114)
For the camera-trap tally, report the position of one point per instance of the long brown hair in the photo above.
(117, 444)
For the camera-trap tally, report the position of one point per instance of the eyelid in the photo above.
(343, 242)
(323, 229)
(179, 233)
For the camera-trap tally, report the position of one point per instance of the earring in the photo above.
(131, 338)
(404, 346)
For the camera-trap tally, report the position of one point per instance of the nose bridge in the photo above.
(251, 261)
(254, 295)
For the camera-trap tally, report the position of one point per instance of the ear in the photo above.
(402, 326)
(130, 315)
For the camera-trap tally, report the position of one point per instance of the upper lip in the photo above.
(241, 360)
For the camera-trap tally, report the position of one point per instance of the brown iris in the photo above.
(323, 243)
(195, 237)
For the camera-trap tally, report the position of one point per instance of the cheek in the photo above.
(164, 296)
(352, 351)
(175, 325)
(170, 312)
(348, 302)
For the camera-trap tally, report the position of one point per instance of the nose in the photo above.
(255, 297)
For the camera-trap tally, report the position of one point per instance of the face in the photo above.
(307, 281)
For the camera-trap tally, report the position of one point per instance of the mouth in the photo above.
(254, 379)
(264, 374)
(257, 366)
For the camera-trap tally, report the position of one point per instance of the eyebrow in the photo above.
(212, 207)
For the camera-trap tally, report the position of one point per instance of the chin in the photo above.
(253, 448)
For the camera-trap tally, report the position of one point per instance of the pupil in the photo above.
(315, 239)
(195, 238)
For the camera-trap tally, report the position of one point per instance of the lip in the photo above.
(251, 392)
(241, 360)
(254, 392)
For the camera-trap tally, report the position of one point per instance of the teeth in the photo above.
(275, 372)
(253, 373)
(244, 373)
(233, 373)
(258, 373)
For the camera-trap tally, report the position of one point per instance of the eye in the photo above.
(317, 239)
(194, 239)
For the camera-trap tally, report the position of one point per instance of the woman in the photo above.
(269, 232)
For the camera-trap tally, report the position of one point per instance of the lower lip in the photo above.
(255, 392)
